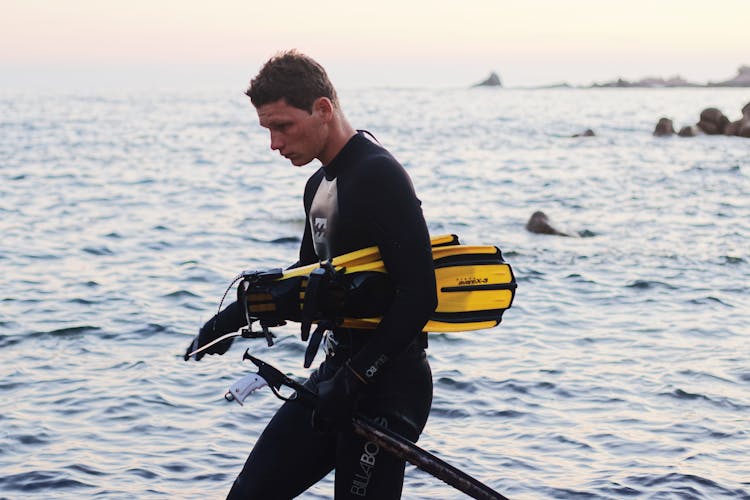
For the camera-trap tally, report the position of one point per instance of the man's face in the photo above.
(297, 135)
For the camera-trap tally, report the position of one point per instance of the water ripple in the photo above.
(37, 481)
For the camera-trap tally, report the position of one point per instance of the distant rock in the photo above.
(492, 81)
(733, 128)
(617, 83)
(712, 121)
(741, 126)
(742, 79)
(650, 82)
(587, 133)
(664, 128)
(689, 131)
(675, 81)
(744, 128)
(539, 224)
(561, 85)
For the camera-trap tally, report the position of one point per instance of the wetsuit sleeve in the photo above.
(394, 214)
(230, 319)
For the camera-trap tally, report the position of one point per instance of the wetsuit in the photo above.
(363, 197)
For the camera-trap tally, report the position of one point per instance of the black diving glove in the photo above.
(231, 319)
(206, 335)
(337, 400)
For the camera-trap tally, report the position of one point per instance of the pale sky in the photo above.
(379, 43)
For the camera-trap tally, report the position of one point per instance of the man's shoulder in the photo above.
(381, 172)
(372, 154)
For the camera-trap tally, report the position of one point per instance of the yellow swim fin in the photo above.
(474, 287)
(364, 256)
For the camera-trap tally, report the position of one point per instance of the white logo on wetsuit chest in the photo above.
(320, 228)
(323, 214)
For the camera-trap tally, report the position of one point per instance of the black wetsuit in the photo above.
(362, 198)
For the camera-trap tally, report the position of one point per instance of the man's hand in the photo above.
(337, 400)
(206, 335)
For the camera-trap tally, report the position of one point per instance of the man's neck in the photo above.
(341, 132)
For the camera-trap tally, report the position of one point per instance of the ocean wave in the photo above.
(649, 284)
(449, 413)
(732, 260)
(718, 401)
(99, 250)
(66, 332)
(709, 300)
(180, 294)
(38, 481)
(685, 485)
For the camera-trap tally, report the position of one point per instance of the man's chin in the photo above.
(299, 162)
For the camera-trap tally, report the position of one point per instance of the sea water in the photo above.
(621, 371)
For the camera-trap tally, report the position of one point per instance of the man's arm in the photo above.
(399, 229)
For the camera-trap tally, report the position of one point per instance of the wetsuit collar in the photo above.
(345, 156)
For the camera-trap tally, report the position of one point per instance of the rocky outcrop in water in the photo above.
(710, 122)
(586, 133)
(740, 127)
(539, 224)
(492, 81)
(664, 127)
(689, 131)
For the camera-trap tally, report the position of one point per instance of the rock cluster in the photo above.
(711, 122)
(651, 82)
(741, 79)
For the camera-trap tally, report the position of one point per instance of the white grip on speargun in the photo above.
(245, 386)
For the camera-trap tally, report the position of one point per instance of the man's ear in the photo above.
(323, 107)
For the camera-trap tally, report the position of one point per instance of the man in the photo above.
(360, 197)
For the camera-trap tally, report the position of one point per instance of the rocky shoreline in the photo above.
(741, 79)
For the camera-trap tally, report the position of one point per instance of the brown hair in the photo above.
(294, 77)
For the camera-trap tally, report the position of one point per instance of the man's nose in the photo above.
(276, 141)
